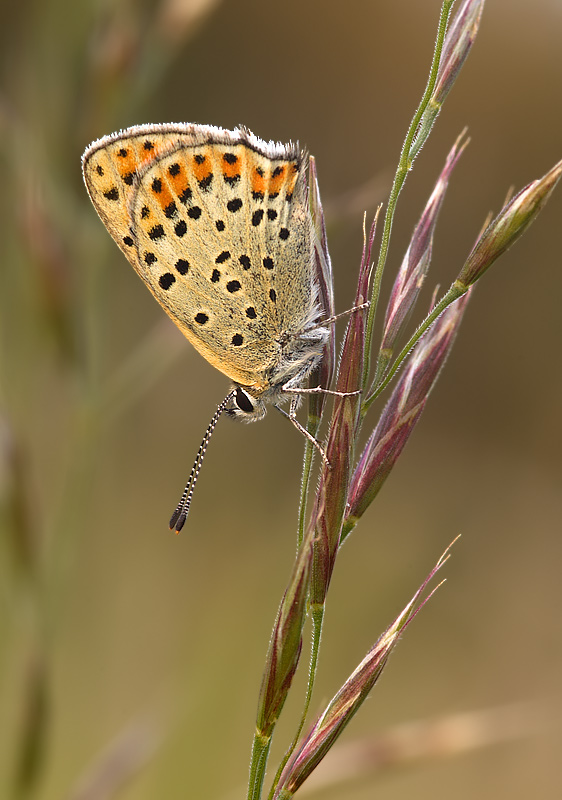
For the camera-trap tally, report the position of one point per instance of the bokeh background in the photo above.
(115, 635)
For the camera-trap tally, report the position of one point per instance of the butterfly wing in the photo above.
(216, 224)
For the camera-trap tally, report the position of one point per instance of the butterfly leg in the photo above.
(317, 390)
(344, 314)
(292, 416)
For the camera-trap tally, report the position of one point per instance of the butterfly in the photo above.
(217, 224)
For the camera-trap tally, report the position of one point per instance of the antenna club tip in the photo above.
(177, 521)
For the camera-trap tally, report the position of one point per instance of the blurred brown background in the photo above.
(107, 620)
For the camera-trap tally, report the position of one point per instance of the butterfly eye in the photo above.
(243, 401)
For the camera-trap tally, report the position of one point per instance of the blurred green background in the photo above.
(112, 628)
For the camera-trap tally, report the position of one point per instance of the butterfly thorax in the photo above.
(299, 355)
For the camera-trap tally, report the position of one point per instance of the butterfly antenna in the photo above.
(179, 516)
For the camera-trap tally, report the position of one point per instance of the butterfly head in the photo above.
(245, 406)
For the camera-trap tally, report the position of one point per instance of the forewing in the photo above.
(215, 223)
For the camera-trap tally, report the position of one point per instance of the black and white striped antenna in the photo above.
(179, 516)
